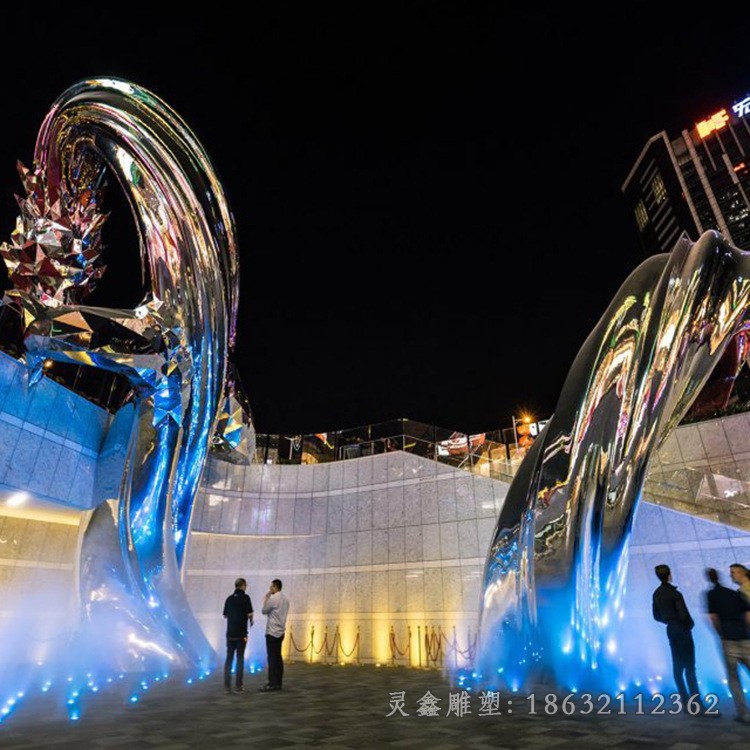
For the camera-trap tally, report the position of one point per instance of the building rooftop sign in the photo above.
(720, 119)
(717, 121)
(742, 108)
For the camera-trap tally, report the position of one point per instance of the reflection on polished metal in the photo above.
(555, 572)
(55, 248)
(172, 348)
(234, 437)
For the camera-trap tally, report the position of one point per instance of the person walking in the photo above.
(669, 607)
(276, 607)
(730, 615)
(238, 611)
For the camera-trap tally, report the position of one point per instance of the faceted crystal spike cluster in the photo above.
(55, 249)
(234, 435)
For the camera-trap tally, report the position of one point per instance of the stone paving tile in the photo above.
(339, 707)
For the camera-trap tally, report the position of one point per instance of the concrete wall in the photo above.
(37, 595)
(50, 438)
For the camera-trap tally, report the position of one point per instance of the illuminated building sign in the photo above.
(721, 118)
(742, 108)
(715, 122)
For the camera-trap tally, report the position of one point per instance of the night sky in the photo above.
(427, 194)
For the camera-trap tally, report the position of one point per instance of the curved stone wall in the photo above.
(387, 541)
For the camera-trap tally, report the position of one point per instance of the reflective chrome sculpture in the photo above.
(172, 348)
(234, 437)
(555, 572)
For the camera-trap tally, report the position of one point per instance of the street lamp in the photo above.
(524, 419)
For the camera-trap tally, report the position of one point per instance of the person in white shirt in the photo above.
(276, 607)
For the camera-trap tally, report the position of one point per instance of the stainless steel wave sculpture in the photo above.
(172, 348)
(555, 571)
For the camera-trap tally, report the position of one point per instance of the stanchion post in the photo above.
(455, 648)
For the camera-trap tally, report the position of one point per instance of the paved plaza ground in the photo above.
(345, 707)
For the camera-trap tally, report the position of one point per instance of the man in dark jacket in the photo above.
(238, 610)
(669, 607)
(730, 616)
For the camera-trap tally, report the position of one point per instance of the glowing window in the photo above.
(660, 190)
(640, 215)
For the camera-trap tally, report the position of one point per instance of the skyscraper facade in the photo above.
(695, 181)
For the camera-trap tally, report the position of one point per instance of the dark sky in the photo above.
(427, 194)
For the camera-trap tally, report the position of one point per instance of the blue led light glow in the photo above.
(555, 599)
(172, 349)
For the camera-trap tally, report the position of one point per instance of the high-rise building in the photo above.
(696, 181)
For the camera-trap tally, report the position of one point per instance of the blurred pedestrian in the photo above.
(730, 615)
(741, 576)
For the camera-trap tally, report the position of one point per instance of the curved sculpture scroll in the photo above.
(172, 348)
(554, 575)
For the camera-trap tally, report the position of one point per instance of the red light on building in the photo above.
(741, 165)
(715, 122)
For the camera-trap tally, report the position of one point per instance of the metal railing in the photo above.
(721, 496)
(487, 453)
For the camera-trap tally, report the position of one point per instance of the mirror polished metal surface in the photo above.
(555, 572)
(172, 348)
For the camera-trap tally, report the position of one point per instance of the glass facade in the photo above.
(722, 156)
(492, 454)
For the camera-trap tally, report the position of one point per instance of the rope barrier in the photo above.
(335, 646)
(431, 640)
(435, 644)
(355, 646)
(336, 642)
(295, 646)
(468, 653)
(322, 645)
(395, 650)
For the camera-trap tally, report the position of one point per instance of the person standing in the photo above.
(669, 607)
(238, 611)
(276, 606)
(730, 616)
(741, 576)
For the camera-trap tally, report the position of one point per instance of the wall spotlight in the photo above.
(17, 498)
